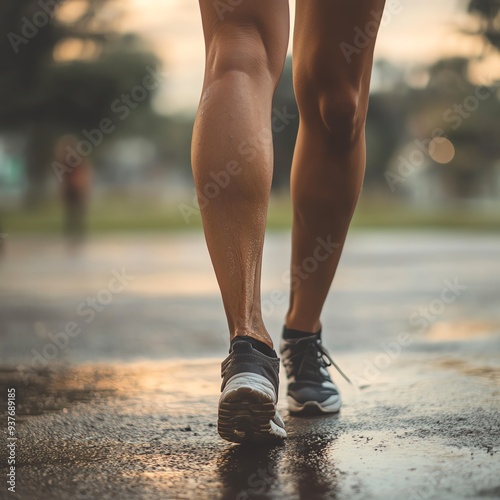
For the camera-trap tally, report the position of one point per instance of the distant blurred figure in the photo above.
(76, 180)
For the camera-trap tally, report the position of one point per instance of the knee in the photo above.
(335, 107)
(243, 51)
(341, 115)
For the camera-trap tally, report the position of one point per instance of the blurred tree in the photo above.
(449, 77)
(489, 13)
(387, 110)
(451, 105)
(63, 65)
(384, 134)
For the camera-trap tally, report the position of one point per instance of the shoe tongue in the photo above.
(310, 339)
(241, 345)
(313, 338)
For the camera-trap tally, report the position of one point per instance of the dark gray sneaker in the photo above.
(310, 387)
(247, 405)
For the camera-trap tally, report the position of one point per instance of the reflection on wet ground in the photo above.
(246, 472)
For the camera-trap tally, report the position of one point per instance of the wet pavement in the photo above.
(117, 398)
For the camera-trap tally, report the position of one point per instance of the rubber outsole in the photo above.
(248, 416)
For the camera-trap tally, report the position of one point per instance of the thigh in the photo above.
(246, 29)
(334, 42)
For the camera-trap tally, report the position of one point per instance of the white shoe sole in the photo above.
(247, 410)
(331, 405)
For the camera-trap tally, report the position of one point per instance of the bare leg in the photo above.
(245, 52)
(329, 159)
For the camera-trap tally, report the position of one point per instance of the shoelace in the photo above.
(322, 354)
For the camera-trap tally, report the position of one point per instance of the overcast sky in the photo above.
(423, 31)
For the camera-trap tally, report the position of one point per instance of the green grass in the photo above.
(401, 216)
(121, 214)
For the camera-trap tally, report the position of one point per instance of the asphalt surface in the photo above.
(126, 405)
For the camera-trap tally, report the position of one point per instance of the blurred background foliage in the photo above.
(64, 69)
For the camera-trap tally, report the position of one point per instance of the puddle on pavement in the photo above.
(381, 463)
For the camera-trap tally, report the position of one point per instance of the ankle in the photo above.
(263, 337)
(291, 334)
(302, 324)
